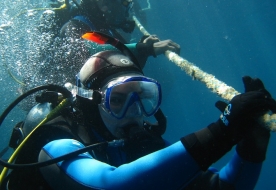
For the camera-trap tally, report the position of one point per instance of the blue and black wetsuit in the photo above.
(150, 163)
(169, 168)
(66, 127)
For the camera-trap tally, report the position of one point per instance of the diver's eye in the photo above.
(117, 99)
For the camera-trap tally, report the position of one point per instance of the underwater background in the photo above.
(228, 39)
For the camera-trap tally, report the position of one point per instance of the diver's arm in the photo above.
(236, 125)
(169, 168)
(244, 169)
(240, 173)
(237, 174)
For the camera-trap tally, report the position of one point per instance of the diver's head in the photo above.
(116, 12)
(127, 96)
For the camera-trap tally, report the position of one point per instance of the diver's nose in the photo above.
(134, 110)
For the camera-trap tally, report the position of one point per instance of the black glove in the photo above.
(254, 85)
(244, 109)
(254, 144)
(143, 38)
(211, 143)
(146, 49)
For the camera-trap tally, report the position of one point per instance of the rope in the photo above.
(226, 92)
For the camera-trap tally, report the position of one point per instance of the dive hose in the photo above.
(64, 103)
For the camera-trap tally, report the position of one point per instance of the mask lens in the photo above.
(120, 96)
(149, 97)
(117, 102)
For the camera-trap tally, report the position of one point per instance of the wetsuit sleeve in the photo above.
(142, 51)
(169, 168)
(237, 174)
(241, 173)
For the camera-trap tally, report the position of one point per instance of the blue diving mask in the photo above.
(122, 92)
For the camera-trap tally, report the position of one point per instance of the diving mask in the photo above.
(122, 92)
(119, 94)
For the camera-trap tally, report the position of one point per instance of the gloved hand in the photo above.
(254, 144)
(244, 110)
(145, 46)
(151, 45)
(162, 46)
(211, 143)
(255, 137)
(151, 39)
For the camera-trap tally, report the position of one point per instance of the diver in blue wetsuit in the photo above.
(128, 96)
(147, 161)
(122, 98)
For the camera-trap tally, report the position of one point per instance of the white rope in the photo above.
(223, 90)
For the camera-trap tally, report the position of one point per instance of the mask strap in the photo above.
(93, 95)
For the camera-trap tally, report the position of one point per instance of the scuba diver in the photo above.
(60, 50)
(112, 100)
(109, 16)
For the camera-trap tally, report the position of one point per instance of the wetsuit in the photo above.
(149, 164)
(169, 168)
(137, 165)
(64, 127)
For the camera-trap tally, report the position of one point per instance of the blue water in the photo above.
(228, 39)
